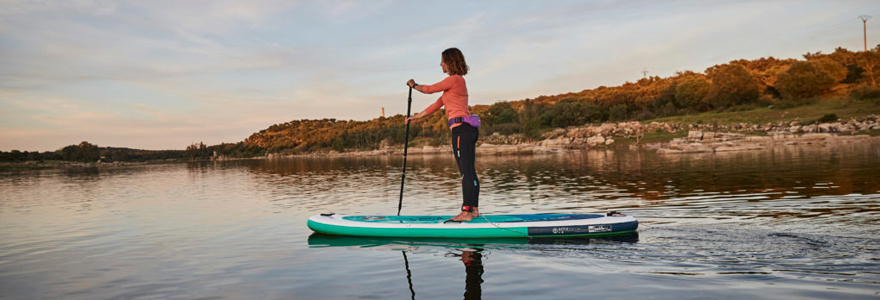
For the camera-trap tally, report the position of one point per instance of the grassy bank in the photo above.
(844, 108)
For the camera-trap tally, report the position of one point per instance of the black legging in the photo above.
(464, 144)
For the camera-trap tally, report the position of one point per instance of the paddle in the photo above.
(405, 147)
(408, 274)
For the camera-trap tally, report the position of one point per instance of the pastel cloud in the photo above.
(162, 74)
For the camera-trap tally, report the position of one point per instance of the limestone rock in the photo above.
(695, 135)
(738, 147)
(596, 140)
(760, 139)
(557, 143)
(708, 136)
(669, 151)
(815, 136)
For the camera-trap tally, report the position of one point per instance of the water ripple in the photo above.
(782, 223)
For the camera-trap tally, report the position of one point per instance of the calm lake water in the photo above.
(784, 223)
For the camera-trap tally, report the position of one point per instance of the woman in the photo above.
(464, 135)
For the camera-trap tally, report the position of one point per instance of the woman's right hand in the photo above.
(411, 83)
(413, 118)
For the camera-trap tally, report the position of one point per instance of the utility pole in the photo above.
(865, 29)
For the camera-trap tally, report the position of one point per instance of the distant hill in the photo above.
(87, 152)
(736, 85)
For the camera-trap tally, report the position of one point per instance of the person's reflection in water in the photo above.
(473, 268)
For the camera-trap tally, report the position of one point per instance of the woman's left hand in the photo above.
(411, 83)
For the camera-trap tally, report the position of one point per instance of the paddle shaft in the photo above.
(405, 148)
(408, 275)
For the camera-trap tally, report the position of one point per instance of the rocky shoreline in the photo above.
(695, 138)
(700, 138)
(710, 142)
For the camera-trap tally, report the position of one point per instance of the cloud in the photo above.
(165, 73)
(69, 120)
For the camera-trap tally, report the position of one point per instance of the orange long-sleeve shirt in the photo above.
(454, 97)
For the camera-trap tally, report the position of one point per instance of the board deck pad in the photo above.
(488, 226)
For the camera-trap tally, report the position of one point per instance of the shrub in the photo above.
(828, 118)
(567, 112)
(804, 80)
(617, 113)
(692, 93)
(866, 92)
(732, 85)
(500, 113)
(834, 69)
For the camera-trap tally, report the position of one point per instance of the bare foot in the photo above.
(464, 216)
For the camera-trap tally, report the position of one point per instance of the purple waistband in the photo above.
(473, 120)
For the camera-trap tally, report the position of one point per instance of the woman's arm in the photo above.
(428, 111)
(443, 85)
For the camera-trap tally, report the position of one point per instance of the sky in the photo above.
(165, 74)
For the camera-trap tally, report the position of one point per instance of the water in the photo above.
(785, 223)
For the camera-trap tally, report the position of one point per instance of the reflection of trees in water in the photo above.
(848, 168)
(576, 177)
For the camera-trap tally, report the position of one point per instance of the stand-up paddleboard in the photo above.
(489, 226)
(320, 240)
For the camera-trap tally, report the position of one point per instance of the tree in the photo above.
(533, 119)
(617, 112)
(84, 152)
(500, 113)
(665, 99)
(568, 112)
(692, 92)
(732, 85)
(501, 117)
(804, 80)
(197, 151)
(835, 69)
(870, 61)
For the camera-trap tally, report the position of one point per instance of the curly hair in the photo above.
(454, 60)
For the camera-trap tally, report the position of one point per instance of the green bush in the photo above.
(804, 80)
(692, 93)
(568, 112)
(617, 113)
(732, 85)
(834, 69)
(534, 119)
(500, 113)
(828, 118)
(866, 92)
